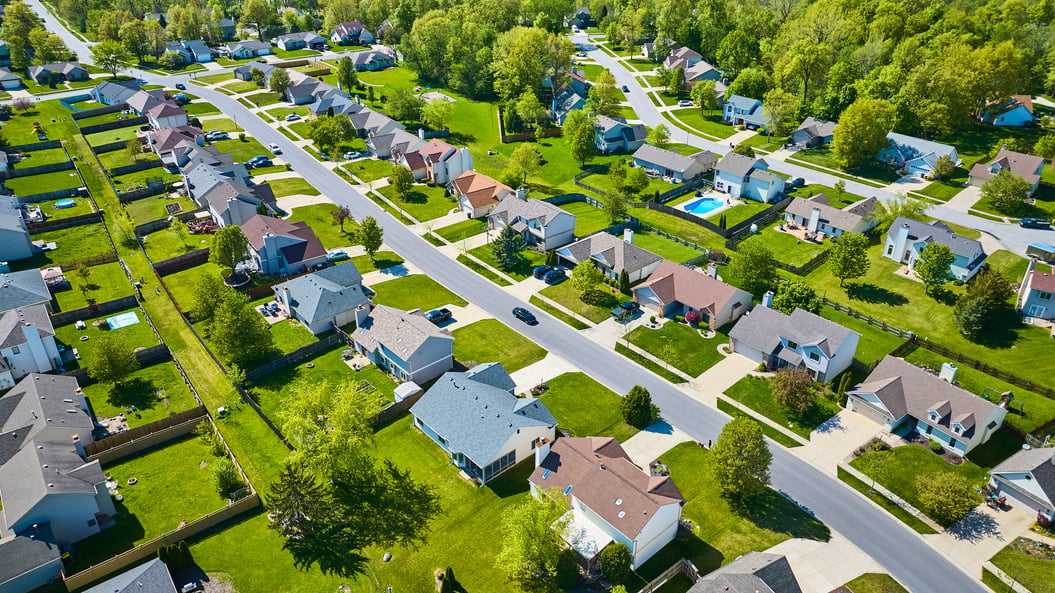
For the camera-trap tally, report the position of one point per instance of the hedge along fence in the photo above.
(93, 311)
(112, 146)
(154, 188)
(99, 111)
(115, 125)
(64, 223)
(163, 223)
(34, 146)
(135, 167)
(97, 449)
(37, 170)
(181, 262)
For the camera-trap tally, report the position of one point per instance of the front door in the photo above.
(1035, 311)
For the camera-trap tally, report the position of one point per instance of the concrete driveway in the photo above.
(649, 444)
(981, 534)
(837, 438)
(823, 566)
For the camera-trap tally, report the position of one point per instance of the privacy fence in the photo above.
(93, 311)
(37, 170)
(85, 114)
(117, 124)
(64, 223)
(181, 262)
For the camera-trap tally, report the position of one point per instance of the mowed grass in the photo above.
(137, 335)
(757, 394)
(104, 282)
(242, 151)
(874, 343)
(588, 219)
(37, 158)
(680, 346)
(584, 407)
(223, 124)
(382, 260)
(74, 243)
(874, 582)
(118, 135)
(489, 340)
(156, 208)
(571, 298)
(369, 169)
(786, 247)
(320, 218)
(413, 292)
(683, 229)
(1031, 572)
(708, 125)
(664, 247)
(462, 230)
(81, 206)
(292, 186)
(43, 183)
(422, 202)
(156, 391)
(165, 244)
(520, 271)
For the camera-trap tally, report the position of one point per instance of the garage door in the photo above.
(649, 300)
(867, 411)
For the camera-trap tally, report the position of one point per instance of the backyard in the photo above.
(81, 206)
(664, 247)
(684, 229)
(71, 244)
(118, 135)
(584, 407)
(756, 393)
(681, 346)
(43, 183)
(37, 158)
(156, 208)
(137, 335)
(415, 291)
(874, 343)
(164, 244)
(588, 219)
(490, 340)
(102, 283)
(787, 248)
(131, 181)
(156, 391)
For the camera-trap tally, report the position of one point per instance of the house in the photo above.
(817, 216)
(323, 299)
(150, 577)
(384, 29)
(192, 51)
(703, 70)
(29, 561)
(914, 155)
(475, 418)
(613, 134)
(610, 499)
(906, 398)
(9, 81)
(166, 115)
(437, 162)
(1036, 294)
(246, 49)
(164, 141)
(1017, 112)
(540, 223)
(115, 93)
(302, 91)
(681, 57)
(657, 50)
(745, 111)
(245, 72)
(1028, 479)
(477, 193)
(294, 41)
(394, 142)
(800, 340)
(907, 238)
(374, 59)
(612, 255)
(581, 18)
(569, 95)
(222, 187)
(673, 289)
(27, 344)
(15, 242)
(813, 132)
(747, 178)
(1026, 166)
(279, 247)
(351, 33)
(403, 343)
(58, 72)
(673, 164)
(368, 122)
(23, 289)
(754, 572)
(340, 104)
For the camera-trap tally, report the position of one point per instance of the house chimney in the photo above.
(815, 220)
(522, 193)
(712, 270)
(628, 235)
(948, 372)
(767, 299)
(362, 312)
(541, 451)
(421, 133)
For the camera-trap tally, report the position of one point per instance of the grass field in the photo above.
(264, 98)
(43, 183)
(422, 202)
(369, 169)
(490, 340)
(873, 170)
(149, 209)
(198, 108)
(164, 244)
(567, 295)
(664, 247)
(19, 129)
(320, 218)
(756, 393)
(37, 158)
(118, 135)
(155, 391)
(104, 282)
(242, 151)
(137, 335)
(875, 583)
(222, 124)
(786, 247)
(680, 346)
(292, 186)
(415, 291)
(584, 407)
(912, 521)
(874, 343)
(81, 206)
(241, 86)
(144, 178)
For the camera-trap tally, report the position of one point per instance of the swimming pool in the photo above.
(67, 203)
(122, 320)
(703, 206)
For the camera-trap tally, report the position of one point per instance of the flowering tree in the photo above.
(692, 317)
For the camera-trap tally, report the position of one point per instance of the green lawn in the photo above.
(874, 343)
(292, 186)
(395, 77)
(1030, 571)
(288, 334)
(181, 284)
(1011, 266)
(101, 119)
(242, 151)
(521, 271)
(150, 209)
(648, 364)
(680, 346)
(836, 199)
(282, 112)
(664, 247)
(874, 170)
(945, 189)
(381, 261)
(786, 247)
(678, 227)
(74, 243)
(558, 313)
(138, 335)
(118, 135)
(765, 142)
(165, 244)
(19, 129)
(756, 393)
(45, 182)
(104, 283)
(223, 124)
(738, 214)
(1043, 205)
(490, 340)
(299, 128)
(708, 125)
(264, 98)
(604, 183)
(81, 206)
(156, 391)
(369, 169)
(241, 86)
(567, 295)
(120, 158)
(979, 140)
(584, 407)
(320, 218)
(480, 269)
(422, 202)
(199, 108)
(874, 582)
(413, 292)
(462, 230)
(214, 78)
(144, 178)
(912, 521)
(588, 220)
(38, 158)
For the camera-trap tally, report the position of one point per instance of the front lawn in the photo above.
(156, 391)
(1012, 266)
(43, 183)
(240, 86)
(872, 582)
(708, 125)
(872, 170)
(756, 393)
(422, 202)
(1043, 205)
(104, 283)
(367, 170)
(155, 208)
(200, 108)
(242, 151)
(165, 244)
(588, 219)
(490, 340)
(320, 218)
(462, 230)
(874, 343)
(381, 261)
(518, 272)
(292, 186)
(222, 124)
(1027, 563)
(584, 407)
(137, 335)
(413, 292)
(765, 142)
(787, 248)
(946, 189)
(264, 98)
(569, 296)
(680, 346)
(214, 78)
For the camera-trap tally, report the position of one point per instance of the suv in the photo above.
(626, 310)
(554, 276)
(796, 182)
(274, 148)
(1034, 223)
(351, 155)
(438, 316)
(540, 271)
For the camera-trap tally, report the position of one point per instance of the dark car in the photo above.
(626, 89)
(540, 271)
(796, 182)
(438, 316)
(524, 315)
(180, 86)
(554, 276)
(1034, 223)
(631, 306)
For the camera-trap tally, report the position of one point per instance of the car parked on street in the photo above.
(438, 316)
(626, 89)
(524, 315)
(1034, 223)
(274, 148)
(180, 86)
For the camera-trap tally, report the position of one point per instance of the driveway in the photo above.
(837, 438)
(823, 566)
(651, 443)
(980, 535)
(549, 367)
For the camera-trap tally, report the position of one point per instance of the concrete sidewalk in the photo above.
(823, 566)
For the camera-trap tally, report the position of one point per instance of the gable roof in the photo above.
(675, 161)
(306, 36)
(247, 69)
(324, 294)
(911, 148)
(754, 572)
(674, 282)
(763, 327)
(44, 468)
(169, 137)
(512, 208)
(936, 232)
(845, 218)
(1040, 462)
(39, 401)
(1023, 165)
(12, 322)
(165, 110)
(117, 92)
(747, 104)
(22, 289)
(363, 58)
(27, 552)
(681, 57)
(149, 577)
(476, 418)
(601, 475)
(613, 251)
(737, 165)
(250, 44)
(628, 132)
(402, 332)
(351, 27)
(480, 189)
(817, 128)
(308, 245)
(1044, 281)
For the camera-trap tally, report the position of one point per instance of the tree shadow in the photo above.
(975, 527)
(415, 197)
(773, 511)
(1001, 329)
(870, 293)
(600, 298)
(514, 481)
(686, 544)
(136, 392)
(332, 552)
(943, 295)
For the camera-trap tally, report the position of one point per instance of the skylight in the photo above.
(567, 490)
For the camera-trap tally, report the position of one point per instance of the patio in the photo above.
(802, 233)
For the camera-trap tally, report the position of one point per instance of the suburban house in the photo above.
(1028, 478)
(44, 477)
(906, 398)
(477, 193)
(278, 247)
(246, 49)
(657, 50)
(352, 33)
(114, 93)
(613, 134)
(747, 178)
(745, 111)
(610, 498)
(907, 238)
(150, 577)
(293, 41)
(914, 155)
(15, 242)
(1026, 166)
(245, 72)
(374, 59)
(9, 81)
(817, 216)
(813, 132)
(754, 572)
(156, 105)
(23, 289)
(674, 289)
(340, 104)
(58, 72)
(368, 122)
(27, 344)
(581, 18)
(695, 67)
(5, 54)
(475, 417)
(612, 255)
(681, 57)
(437, 162)
(323, 299)
(191, 51)
(394, 142)
(569, 95)
(800, 340)
(403, 343)
(1017, 111)
(1036, 298)
(540, 223)
(29, 561)
(224, 188)
(165, 141)
(673, 164)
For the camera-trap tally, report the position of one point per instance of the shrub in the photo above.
(936, 446)
(637, 407)
(241, 137)
(761, 367)
(567, 573)
(679, 319)
(651, 318)
(225, 477)
(692, 317)
(615, 563)
(946, 496)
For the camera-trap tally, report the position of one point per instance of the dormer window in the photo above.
(814, 356)
(793, 345)
(934, 416)
(957, 428)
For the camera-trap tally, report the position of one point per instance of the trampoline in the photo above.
(122, 320)
(67, 203)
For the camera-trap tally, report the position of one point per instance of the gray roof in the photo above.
(150, 577)
(251, 44)
(611, 250)
(117, 92)
(247, 69)
(44, 468)
(629, 132)
(844, 219)
(935, 232)
(754, 572)
(38, 401)
(763, 327)
(512, 208)
(12, 322)
(197, 46)
(675, 161)
(736, 164)
(911, 148)
(365, 57)
(19, 555)
(746, 103)
(10, 213)
(402, 332)
(1038, 462)
(22, 289)
(325, 294)
(817, 128)
(477, 418)
(306, 36)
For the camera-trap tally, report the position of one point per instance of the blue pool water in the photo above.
(703, 206)
(67, 203)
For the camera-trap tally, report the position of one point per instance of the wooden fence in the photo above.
(291, 358)
(146, 357)
(37, 170)
(112, 146)
(115, 125)
(163, 223)
(93, 311)
(181, 262)
(154, 188)
(94, 449)
(33, 146)
(58, 194)
(95, 260)
(79, 115)
(683, 566)
(64, 223)
(135, 167)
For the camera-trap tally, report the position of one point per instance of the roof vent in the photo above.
(51, 485)
(622, 514)
(618, 501)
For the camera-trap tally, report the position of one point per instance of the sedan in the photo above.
(555, 276)
(540, 271)
(796, 182)
(180, 86)
(438, 316)
(626, 89)
(292, 117)
(525, 316)
(684, 103)
(1034, 223)
(336, 256)
(351, 155)
(274, 148)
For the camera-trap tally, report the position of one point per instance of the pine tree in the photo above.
(507, 248)
(296, 502)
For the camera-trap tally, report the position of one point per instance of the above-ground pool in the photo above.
(67, 203)
(122, 320)
(703, 206)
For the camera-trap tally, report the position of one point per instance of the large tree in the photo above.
(237, 332)
(579, 131)
(887, 211)
(347, 77)
(793, 389)
(604, 96)
(659, 136)
(257, 15)
(437, 113)
(528, 158)
(19, 21)
(531, 539)
(279, 81)
(296, 502)
(848, 257)
(614, 204)
(737, 51)
(206, 295)
(508, 248)
(369, 234)
(637, 407)
(328, 417)
(946, 496)
(329, 131)
(740, 458)
(862, 131)
(705, 96)
(587, 281)
(1006, 191)
(110, 55)
(229, 247)
(934, 265)
(782, 109)
(403, 105)
(111, 360)
(402, 181)
(796, 294)
(524, 56)
(134, 36)
(753, 267)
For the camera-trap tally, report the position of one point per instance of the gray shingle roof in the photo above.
(615, 252)
(324, 294)
(12, 322)
(22, 289)
(817, 128)
(150, 577)
(117, 92)
(19, 555)
(250, 44)
(476, 418)
(763, 327)
(306, 36)
(512, 208)
(667, 159)
(1038, 462)
(44, 468)
(737, 165)
(755, 572)
(844, 219)
(402, 332)
(935, 232)
(11, 214)
(911, 147)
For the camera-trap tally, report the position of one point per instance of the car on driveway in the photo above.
(352, 155)
(685, 103)
(336, 256)
(626, 310)
(292, 117)
(274, 148)
(555, 276)
(541, 271)
(180, 86)
(191, 586)
(438, 316)
(216, 136)
(524, 315)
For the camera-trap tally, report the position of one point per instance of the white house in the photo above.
(1028, 479)
(613, 255)
(745, 111)
(1026, 166)
(15, 242)
(611, 499)
(674, 289)
(279, 247)
(437, 162)
(540, 223)
(323, 299)
(744, 177)
(351, 33)
(478, 194)
(905, 398)
(800, 340)
(907, 238)
(475, 418)
(403, 343)
(1016, 112)
(817, 216)
(914, 155)
(303, 40)
(673, 164)
(27, 344)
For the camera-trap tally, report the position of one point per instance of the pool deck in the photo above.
(726, 203)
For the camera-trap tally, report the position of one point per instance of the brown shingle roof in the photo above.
(675, 282)
(1045, 281)
(1023, 165)
(256, 227)
(480, 189)
(845, 219)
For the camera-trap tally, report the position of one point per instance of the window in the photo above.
(1044, 296)
(889, 249)
(15, 350)
(814, 356)
(793, 345)
(91, 522)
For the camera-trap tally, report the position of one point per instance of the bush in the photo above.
(761, 367)
(637, 407)
(225, 477)
(936, 446)
(692, 317)
(567, 570)
(615, 563)
(679, 319)
(652, 319)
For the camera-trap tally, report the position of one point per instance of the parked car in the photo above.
(555, 276)
(796, 182)
(685, 103)
(292, 117)
(259, 158)
(336, 256)
(541, 271)
(180, 86)
(191, 586)
(632, 306)
(626, 89)
(438, 316)
(524, 315)
(274, 148)
(1034, 223)
(352, 155)
(216, 135)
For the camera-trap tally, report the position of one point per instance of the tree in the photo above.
(991, 286)
(944, 167)
(523, 56)
(507, 248)
(257, 15)
(753, 267)
(530, 110)
(887, 211)
(347, 77)
(1045, 147)
(402, 181)
(134, 148)
(862, 131)
(370, 235)
(934, 265)
(615, 562)
(403, 105)
(329, 131)
(84, 272)
(171, 60)
(528, 158)
(134, 36)
(614, 205)
(109, 55)
(752, 82)
(705, 96)
(225, 476)
(637, 407)
(237, 331)
(279, 81)
(636, 181)
(437, 113)
(744, 149)
(1006, 191)
(578, 129)
(782, 109)
(340, 215)
(617, 173)
(840, 188)
(257, 75)
(49, 47)
(946, 496)
(111, 360)
(796, 294)
(206, 295)
(793, 389)
(586, 281)
(971, 314)
(659, 136)
(19, 22)
(740, 459)
(531, 540)
(676, 85)
(156, 38)
(229, 247)
(328, 419)
(737, 51)
(296, 501)
(624, 282)
(848, 257)
(604, 96)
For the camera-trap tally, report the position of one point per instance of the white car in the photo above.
(274, 148)
(685, 103)
(292, 117)
(351, 155)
